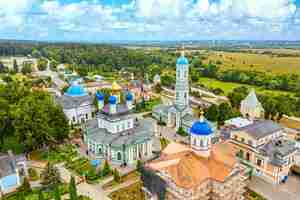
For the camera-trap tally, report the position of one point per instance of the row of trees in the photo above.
(31, 117)
(50, 181)
(26, 68)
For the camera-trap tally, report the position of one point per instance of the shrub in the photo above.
(117, 177)
(33, 174)
(182, 132)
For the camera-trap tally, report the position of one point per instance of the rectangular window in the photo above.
(86, 116)
(250, 142)
(259, 162)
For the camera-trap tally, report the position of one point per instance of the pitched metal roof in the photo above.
(7, 165)
(142, 131)
(260, 129)
(69, 102)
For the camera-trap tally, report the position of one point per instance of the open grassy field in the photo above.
(227, 87)
(255, 61)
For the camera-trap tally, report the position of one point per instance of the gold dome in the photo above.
(115, 86)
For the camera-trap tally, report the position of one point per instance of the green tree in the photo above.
(57, 195)
(42, 64)
(139, 165)
(27, 68)
(38, 121)
(106, 169)
(237, 95)
(50, 176)
(15, 66)
(212, 113)
(41, 196)
(158, 88)
(182, 132)
(116, 174)
(25, 187)
(20, 196)
(73, 189)
(225, 112)
(3, 69)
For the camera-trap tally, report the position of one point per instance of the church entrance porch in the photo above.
(171, 119)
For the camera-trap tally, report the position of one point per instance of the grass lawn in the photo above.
(79, 165)
(131, 176)
(133, 192)
(33, 195)
(164, 142)
(60, 154)
(255, 61)
(227, 87)
(251, 195)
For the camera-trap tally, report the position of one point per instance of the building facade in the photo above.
(77, 104)
(175, 115)
(201, 171)
(251, 108)
(262, 145)
(12, 169)
(116, 135)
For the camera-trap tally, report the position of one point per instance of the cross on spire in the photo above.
(182, 51)
(201, 116)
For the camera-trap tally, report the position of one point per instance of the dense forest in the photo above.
(96, 58)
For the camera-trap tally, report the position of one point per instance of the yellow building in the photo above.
(262, 146)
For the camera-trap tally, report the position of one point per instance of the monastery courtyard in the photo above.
(288, 191)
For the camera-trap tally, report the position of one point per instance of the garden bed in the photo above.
(132, 192)
(128, 177)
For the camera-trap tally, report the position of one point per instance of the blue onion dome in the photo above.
(76, 90)
(100, 96)
(129, 96)
(112, 100)
(182, 61)
(201, 128)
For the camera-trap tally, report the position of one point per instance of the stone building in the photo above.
(251, 108)
(201, 171)
(262, 145)
(77, 104)
(178, 114)
(12, 169)
(116, 135)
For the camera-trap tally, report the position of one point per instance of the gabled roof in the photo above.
(251, 100)
(260, 129)
(7, 165)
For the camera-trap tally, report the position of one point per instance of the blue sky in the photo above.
(100, 20)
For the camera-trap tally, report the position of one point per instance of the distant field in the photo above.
(259, 62)
(227, 87)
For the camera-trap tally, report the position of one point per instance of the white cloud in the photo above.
(77, 16)
(185, 19)
(12, 12)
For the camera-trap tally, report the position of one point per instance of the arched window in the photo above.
(119, 156)
(100, 150)
(195, 141)
(201, 143)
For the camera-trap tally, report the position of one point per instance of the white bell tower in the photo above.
(181, 87)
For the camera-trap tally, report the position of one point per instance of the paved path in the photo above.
(287, 191)
(54, 76)
(171, 135)
(95, 192)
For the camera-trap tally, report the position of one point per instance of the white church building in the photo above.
(179, 114)
(77, 104)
